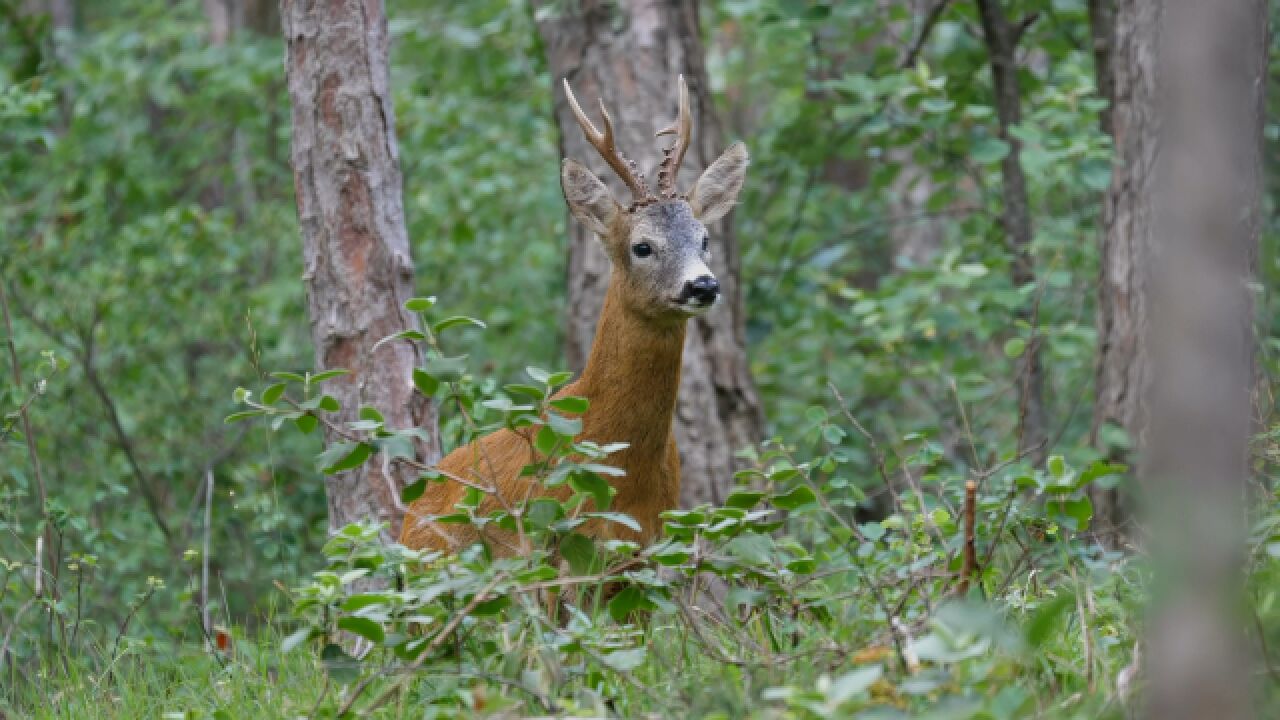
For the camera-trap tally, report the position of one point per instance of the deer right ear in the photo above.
(588, 198)
(715, 192)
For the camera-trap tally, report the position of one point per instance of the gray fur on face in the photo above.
(656, 282)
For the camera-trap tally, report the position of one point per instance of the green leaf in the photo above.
(364, 627)
(580, 552)
(1105, 474)
(567, 428)
(272, 393)
(1057, 466)
(415, 335)
(327, 375)
(368, 412)
(1014, 347)
(616, 517)
(306, 423)
(799, 496)
(413, 490)
(541, 512)
(538, 374)
(355, 455)
(546, 441)
(446, 369)
(593, 485)
(533, 391)
(492, 606)
(1046, 617)
(559, 378)
(420, 304)
(624, 660)
(628, 601)
(426, 384)
(329, 403)
(571, 404)
(1081, 510)
(989, 150)
(1095, 173)
(745, 499)
(237, 417)
(288, 376)
(455, 321)
(845, 687)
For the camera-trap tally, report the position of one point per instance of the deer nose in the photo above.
(704, 288)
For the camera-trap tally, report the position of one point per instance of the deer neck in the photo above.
(632, 375)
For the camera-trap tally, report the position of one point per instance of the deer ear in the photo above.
(588, 198)
(716, 191)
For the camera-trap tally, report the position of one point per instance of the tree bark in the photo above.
(1123, 366)
(358, 270)
(1002, 41)
(1212, 66)
(629, 54)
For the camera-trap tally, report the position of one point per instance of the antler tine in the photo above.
(606, 145)
(682, 128)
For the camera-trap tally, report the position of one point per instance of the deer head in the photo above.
(659, 245)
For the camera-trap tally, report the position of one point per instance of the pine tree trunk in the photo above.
(1127, 220)
(358, 269)
(629, 54)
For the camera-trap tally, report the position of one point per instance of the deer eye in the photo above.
(642, 250)
(704, 243)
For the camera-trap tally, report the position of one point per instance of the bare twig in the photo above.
(204, 555)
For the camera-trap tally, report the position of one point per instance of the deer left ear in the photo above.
(716, 191)
(588, 198)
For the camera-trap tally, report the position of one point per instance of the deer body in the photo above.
(659, 251)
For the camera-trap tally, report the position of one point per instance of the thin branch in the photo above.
(28, 436)
(926, 30)
(142, 481)
(970, 562)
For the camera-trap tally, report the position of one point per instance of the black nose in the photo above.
(704, 288)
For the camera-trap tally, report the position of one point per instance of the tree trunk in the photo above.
(1123, 365)
(1102, 30)
(1207, 209)
(358, 270)
(629, 54)
(1002, 43)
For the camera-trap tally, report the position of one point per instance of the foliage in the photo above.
(148, 246)
(880, 614)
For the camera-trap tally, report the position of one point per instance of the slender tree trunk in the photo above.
(1128, 69)
(1002, 42)
(358, 270)
(1102, 30)
(1207, 207)
(629, 54)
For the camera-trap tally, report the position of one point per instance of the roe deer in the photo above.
(659, 251)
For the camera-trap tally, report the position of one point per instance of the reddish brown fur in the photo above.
(631, 381)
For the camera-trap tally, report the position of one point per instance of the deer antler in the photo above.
(605, 144)
(682, 128)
